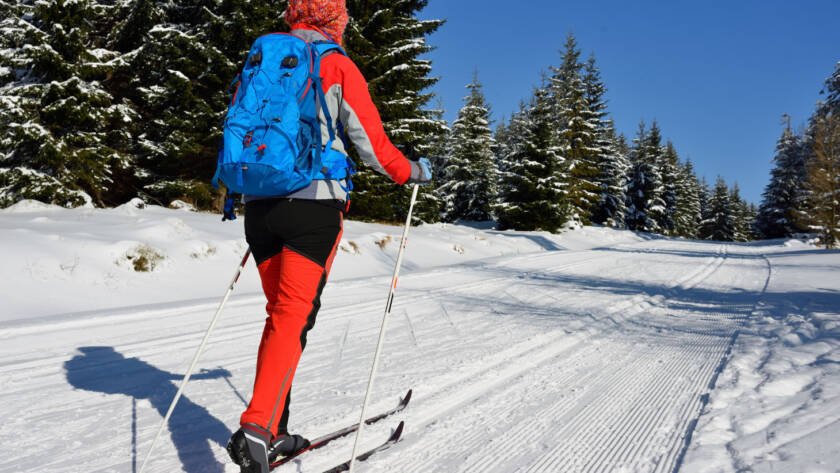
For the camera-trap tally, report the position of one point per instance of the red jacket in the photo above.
(349, 102)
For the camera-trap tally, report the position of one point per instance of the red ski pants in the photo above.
(294, 242)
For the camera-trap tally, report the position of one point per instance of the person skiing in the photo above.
(294, 238)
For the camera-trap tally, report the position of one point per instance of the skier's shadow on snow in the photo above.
(191, 427)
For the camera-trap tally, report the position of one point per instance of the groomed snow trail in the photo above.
(556, 361)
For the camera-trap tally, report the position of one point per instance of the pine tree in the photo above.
(688, 217)
(532, 174)
(823, 181)
(720, 224)
(105, 101)
(645, 206)
(430, 203)
(831, 90)
(740, 210)
(614, 166)
(182, 58)
(574, 98)
(654, 152)
(504, 142)
(669, 170)
(705, 197)
(471, 177)
(63, 142)
(814, 209)
(782, 198)
(386, 40)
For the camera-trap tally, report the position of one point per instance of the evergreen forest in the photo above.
(102, 101)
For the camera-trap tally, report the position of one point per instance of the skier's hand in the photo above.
(229, 213)
(421, 172)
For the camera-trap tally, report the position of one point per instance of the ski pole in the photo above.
(382, 328)
(196, 357)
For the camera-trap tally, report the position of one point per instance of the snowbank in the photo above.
(61, 261)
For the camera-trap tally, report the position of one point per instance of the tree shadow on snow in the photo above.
(192, 428)
(678, 252)
(544, 242)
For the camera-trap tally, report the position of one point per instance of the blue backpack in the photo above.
(272, 135)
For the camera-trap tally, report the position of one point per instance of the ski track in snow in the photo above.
(561, 361)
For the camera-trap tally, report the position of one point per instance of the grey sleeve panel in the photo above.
(334, 100)
(353, 128)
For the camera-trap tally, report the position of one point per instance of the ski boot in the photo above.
(248, 448)
(285, 444)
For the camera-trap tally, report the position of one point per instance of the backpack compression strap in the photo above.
(322, 48)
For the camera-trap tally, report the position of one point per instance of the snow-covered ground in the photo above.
(592, 351)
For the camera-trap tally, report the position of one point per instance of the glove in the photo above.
(421, 172)
(229, 212)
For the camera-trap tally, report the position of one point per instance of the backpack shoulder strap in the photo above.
(322, 48)
(319, 49)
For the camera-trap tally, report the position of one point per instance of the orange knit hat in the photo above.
(327, 15)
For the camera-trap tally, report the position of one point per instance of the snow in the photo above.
(776, 403)
(100, 53)
(179, 75)
(411, 45)
(77, 253)
(594, 350)
(397, 68)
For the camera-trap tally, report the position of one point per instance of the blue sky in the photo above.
(716, 75)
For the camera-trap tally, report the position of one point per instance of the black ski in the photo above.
(394, 438)
(325, 439)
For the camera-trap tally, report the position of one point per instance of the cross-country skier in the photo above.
(294, 238)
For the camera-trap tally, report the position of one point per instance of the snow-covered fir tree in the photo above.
(469, 190)
(441, 148)
(720, 224)
(688, 217)
(654, 151)
(753, 211)
(778, 215)
(63, 141)
(387, 41)
(705, 197)
(612, 176)
(611, 163)
(645, 206)
(817, 200)
(180, 74)
(532, 174)
(743, 219)
(503, 144)
(429, 201)
(823, 180)
(160, 71)
(575, 93)
(831, 90)
(669, 170)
